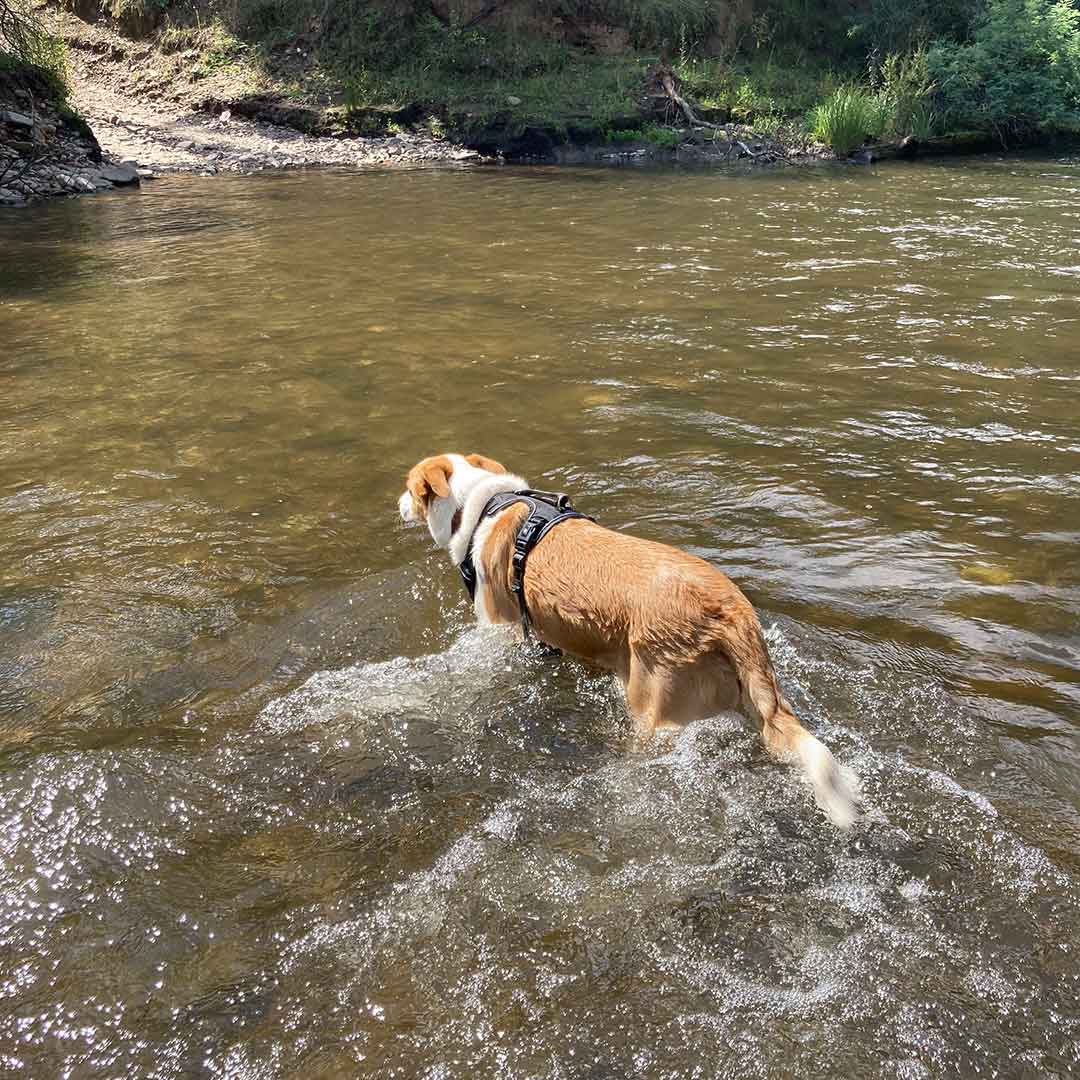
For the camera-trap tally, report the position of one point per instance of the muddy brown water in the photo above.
(270, 805)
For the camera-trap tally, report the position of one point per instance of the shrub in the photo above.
(664, 137)
(23, 37)
(1020, 72)
(904, 87)
(650, 23)
(886, 26)
(845, 120)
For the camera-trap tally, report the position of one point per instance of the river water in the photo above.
(270, 804)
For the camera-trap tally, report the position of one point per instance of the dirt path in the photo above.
(164, 133)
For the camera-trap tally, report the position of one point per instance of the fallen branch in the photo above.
(667, 82)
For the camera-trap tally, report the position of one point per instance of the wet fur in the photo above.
(681, 637)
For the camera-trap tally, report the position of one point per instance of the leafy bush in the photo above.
(1020, 72)
(664, 137)
(651, 23)
(750, 91)
(26, 40)
(885, 26)
(903, 87)
(845, 120)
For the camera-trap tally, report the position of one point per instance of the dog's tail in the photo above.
(787, 739)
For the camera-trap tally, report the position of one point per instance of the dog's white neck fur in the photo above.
(473, 506)
(470, 489)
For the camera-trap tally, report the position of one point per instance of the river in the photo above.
(270, 804)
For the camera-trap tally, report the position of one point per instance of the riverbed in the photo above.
(271, 805)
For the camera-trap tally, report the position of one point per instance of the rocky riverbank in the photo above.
(47, 150)
(110, 134)
(138, 114)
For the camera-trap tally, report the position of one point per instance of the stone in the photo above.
(226, 114)
(84, 184)
(512, 100)
(119, 174)
(908, 148)
(16, 119)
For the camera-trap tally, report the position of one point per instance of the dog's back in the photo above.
(682, 637)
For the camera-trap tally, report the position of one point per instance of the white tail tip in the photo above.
(832, 790)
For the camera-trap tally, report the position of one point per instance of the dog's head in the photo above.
(437, 488)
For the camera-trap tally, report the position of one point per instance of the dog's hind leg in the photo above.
(648, 694)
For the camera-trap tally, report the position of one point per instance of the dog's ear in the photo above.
(437, 475)
(478, 461)
(430, 477)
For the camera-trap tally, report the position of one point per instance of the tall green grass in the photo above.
(843, 121)
(897, 103)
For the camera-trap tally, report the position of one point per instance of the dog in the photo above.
(680, 636)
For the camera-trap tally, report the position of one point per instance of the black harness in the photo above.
(546, 510)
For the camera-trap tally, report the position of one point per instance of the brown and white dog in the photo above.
(681, 637)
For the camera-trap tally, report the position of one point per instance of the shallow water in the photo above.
(271, 807)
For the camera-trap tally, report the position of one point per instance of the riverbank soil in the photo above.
(198, 98)
(149, 106)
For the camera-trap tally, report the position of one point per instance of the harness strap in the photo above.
(546, 510)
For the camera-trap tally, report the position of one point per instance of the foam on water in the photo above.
(641, 902)
(446, 683)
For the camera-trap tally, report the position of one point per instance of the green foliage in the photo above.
(904, 89)
(1020, 72)
(136, 16)
(896, 103)
(844, 120)
(664, 137)
(467, 74)
(1003, 65)
(807, 31)
(651, 23)
(886, 26)
(749, 90)
(28, 43)
(922, 121)
(359, 91)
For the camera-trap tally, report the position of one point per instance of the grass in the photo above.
(745, 90)
(497, 79)
(664, 137)
(895, 103)
(844, 121)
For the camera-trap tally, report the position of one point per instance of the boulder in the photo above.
(119, 174)
(15, 119)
